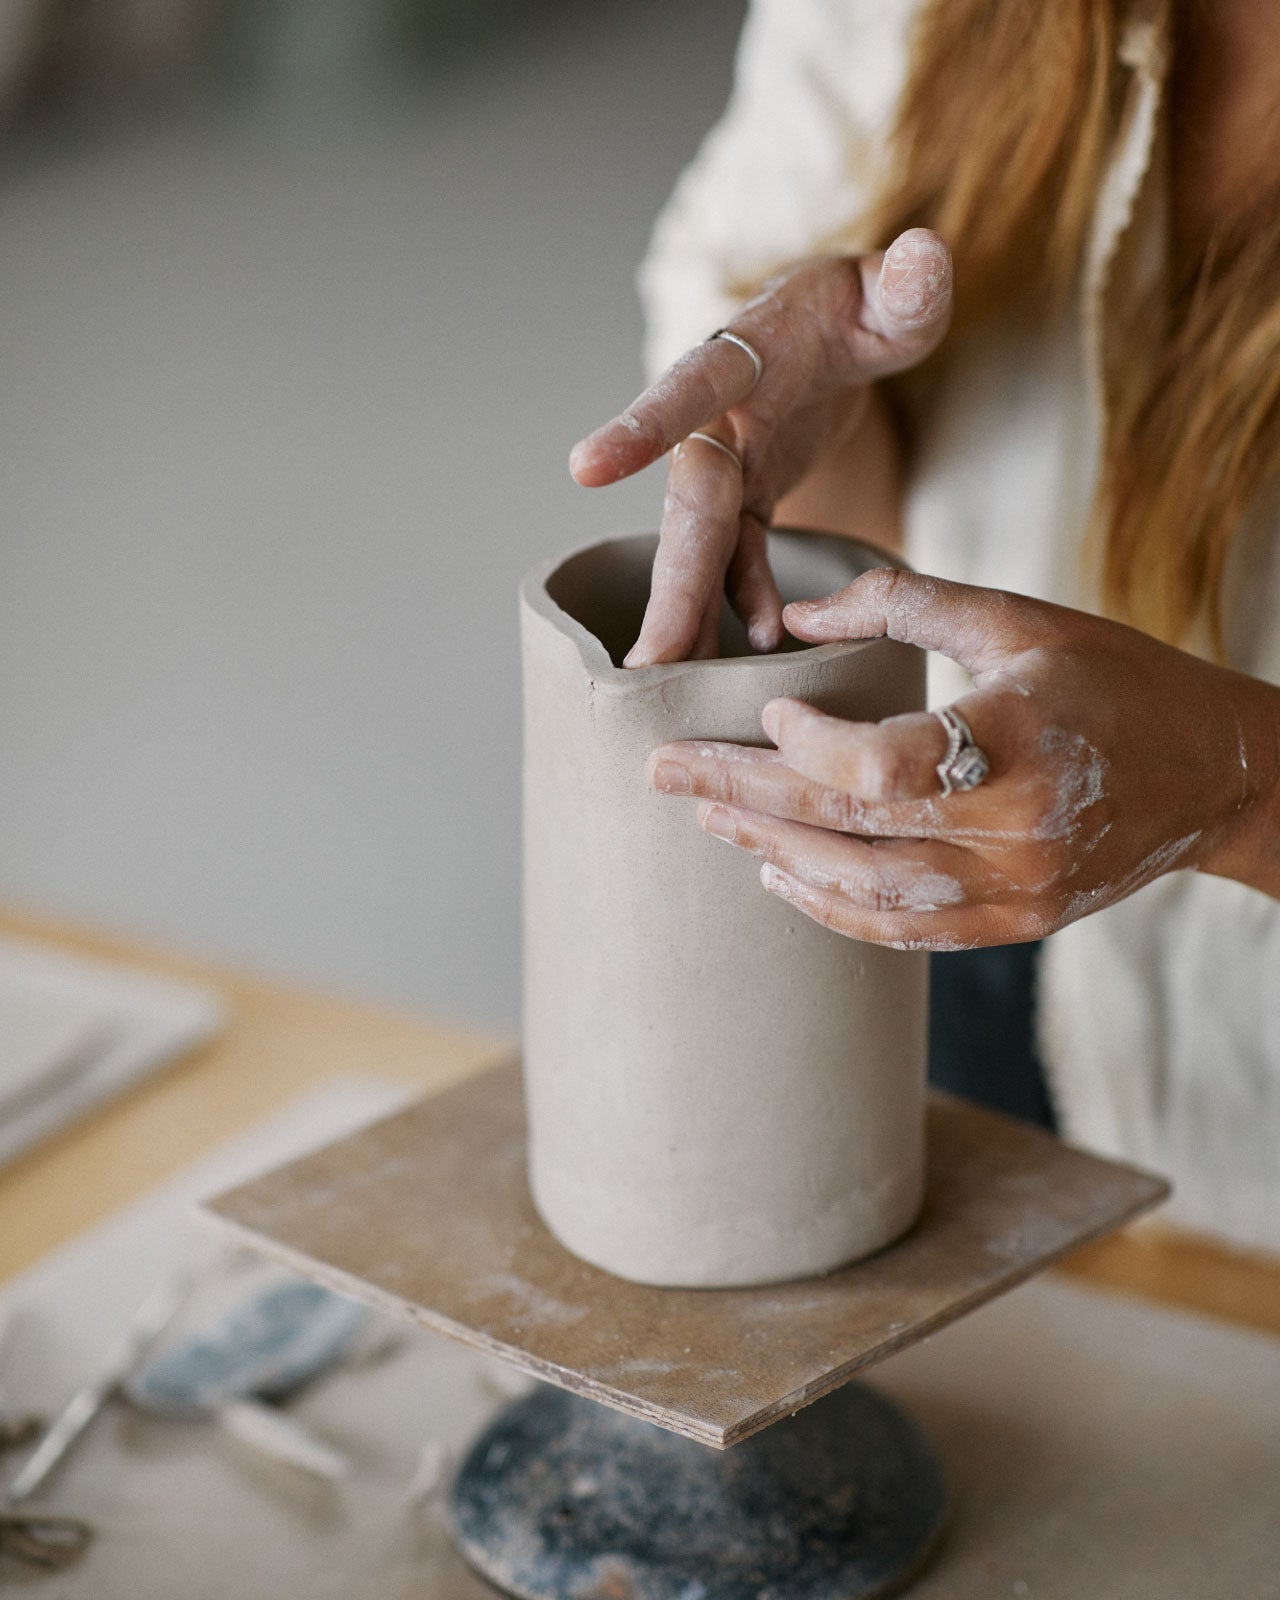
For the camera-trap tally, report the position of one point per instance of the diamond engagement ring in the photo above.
(757, 361)
(964, 766)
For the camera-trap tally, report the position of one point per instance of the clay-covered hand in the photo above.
(1114, 758)
(824, 332)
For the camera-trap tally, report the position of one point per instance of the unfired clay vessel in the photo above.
(720, 1091)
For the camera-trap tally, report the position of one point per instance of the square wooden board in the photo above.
(427, 1215)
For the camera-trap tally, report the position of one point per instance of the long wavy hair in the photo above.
(1009, 111)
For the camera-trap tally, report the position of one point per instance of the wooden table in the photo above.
(281, 1041)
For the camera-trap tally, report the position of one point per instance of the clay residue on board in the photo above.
(525, 1300)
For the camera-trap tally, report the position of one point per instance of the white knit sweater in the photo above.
(1159, 1017)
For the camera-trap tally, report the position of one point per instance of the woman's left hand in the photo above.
(1113, 758)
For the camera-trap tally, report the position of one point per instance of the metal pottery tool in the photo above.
(53, 1541)
(50, 1542)
(148, 1323)
(752, 1483)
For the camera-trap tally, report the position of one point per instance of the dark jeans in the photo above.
(982, 1030)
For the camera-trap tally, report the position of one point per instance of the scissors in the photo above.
(40, 1540)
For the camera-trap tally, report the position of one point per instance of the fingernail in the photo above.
(716, 820)
(576, 454)
(773, 713)
(669, 777)
(915, 277)
(776, 882)
(813, 617)
(764, 635)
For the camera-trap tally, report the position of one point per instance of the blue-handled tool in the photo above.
(266, 1348)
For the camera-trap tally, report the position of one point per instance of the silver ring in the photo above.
(733, 338)
(720, 445)
(964, 766)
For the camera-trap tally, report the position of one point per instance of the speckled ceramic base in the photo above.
(561, 1497)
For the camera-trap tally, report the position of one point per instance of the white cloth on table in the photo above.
(75, 1032)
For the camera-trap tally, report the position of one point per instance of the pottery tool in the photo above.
(149, 1322)
(427, 1215)
(275, 1341)
(277, 1338)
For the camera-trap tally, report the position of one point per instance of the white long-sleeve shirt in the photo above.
(1159, 1018)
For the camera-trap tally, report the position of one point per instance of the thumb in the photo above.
(979, 628)
(906, 299)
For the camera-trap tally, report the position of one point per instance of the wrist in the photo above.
(1245, 843)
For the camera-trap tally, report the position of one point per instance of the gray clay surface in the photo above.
(720, 1092)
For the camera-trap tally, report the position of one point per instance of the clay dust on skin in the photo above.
(1079, 779)
(1079, 771)
(1166, 858)
(805, 898)
(872, 607)
(742, 753)
(942, 943)
(902, 819)
(891, 889)
(663, 394)
(916, 819)
(1002, 679)
(890, 885)
(1074, 767)
(915, 278)
(616, 452)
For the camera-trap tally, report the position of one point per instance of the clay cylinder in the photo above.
(720, 1092)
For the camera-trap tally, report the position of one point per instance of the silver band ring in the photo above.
(964, 766)
(720, 445)
(756, 360)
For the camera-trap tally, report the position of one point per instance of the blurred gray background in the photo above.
(301, 307)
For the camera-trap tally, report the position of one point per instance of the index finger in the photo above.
(700, 386)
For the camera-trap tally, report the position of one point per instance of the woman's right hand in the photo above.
(824, 332)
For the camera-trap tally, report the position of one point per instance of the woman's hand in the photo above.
(1114, 758)
(823, 332)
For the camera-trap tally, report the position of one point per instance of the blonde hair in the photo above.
(1008, 113)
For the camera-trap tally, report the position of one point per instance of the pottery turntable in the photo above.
(719, 1095)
